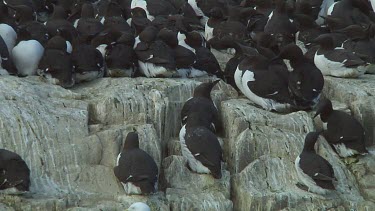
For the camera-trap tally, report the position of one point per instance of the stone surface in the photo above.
(364, 171)
(71, 138)
(191, 191)
(261, 148)
(185, 200)
(252, 132)
(144, 101)
(5, 208)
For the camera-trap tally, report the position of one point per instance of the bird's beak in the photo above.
(316, 114)
(319, 110)
(215, 82)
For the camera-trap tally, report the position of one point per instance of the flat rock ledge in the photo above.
(70, 140)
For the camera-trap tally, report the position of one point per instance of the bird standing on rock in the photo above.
(305, 80)
(14, 173)
(314, 171)
(342, 131)
(265, 85)
(56, 65)
(337, 62)
(136, 170)
(202, 102)
(200, 145)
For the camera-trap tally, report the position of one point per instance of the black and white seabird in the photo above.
(6, 63)
(314, 171)
(203, 7)
(88, 63)
(184, 55)
(5, 17)
(202, 102)
(155, 57)
(114, 18)
(337, 62)
(305, 79)
(200, 146)
(88, 26)
(310, 8)
(105, 38)
(361, 43)
(139, 20)
(58, 20)
(28, 27)
(265, 85)
(280, 25)
(324, 7)
(231, 28)
(26, 56)
(56, 65)
(342, 131)
(136, 170)
(308, 30)
(142, 4)
(232, 64)
(120, 57)
(14, 173)
(216, 17)
(155, 8)
(9, 36)
(199, 11)
(206, 62)
(350, 12)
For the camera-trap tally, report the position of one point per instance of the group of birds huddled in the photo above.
(69, 42)
(284, 48)
(278, 50)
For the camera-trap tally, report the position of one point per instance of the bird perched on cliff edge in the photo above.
(342, 131)
(202, 102)
(14, 173)
(314, 171)
(136, 170)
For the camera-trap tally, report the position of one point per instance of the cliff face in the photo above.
(70, 139)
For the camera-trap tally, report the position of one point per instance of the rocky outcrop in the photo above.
(261, 150)
(70, 139)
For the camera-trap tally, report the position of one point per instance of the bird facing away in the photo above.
(202, 102)
(200, 146)
(136, 170)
